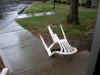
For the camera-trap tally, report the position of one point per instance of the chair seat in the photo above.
(65, 53)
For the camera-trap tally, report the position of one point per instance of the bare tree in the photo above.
(88, 3)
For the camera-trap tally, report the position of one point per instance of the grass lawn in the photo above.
(43, 7)
(39, 23)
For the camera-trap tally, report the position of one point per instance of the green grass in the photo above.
(37, 7)
(87, 21)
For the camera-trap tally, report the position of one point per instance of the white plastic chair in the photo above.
(65, 47)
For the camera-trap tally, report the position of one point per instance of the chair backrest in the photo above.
(64, 45)
(65, 39)
(53, 35)
(63, 31)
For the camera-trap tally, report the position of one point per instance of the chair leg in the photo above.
(43, 42)
(46, 47)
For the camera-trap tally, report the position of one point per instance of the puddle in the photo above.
(39, 14)
(23, 16)
(36, 14)
(44, 13)
(50, 13)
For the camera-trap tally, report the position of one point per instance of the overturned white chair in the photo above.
(65, 47)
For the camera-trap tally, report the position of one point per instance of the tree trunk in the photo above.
(74, 6)
(73, 16)
(88, 4)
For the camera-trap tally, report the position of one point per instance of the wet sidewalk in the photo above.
(24, 54)
(19, 48)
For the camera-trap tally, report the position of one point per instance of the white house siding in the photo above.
(82, 1)
(93, 3)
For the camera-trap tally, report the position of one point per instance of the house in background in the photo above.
(87, 3)
(95, 3)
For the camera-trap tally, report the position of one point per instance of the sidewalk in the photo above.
(18, 47)
(24, 54)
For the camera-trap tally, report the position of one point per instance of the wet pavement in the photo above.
(24, 54)
(9, 15)
(20, 16)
